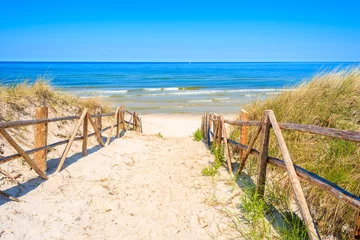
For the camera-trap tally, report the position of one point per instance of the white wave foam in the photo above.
(195, 101)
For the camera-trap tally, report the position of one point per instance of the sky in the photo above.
(186, 30)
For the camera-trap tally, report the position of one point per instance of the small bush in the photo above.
(197, 135)
(159, 135)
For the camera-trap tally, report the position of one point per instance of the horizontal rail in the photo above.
(311, 177)
(32, 151)
(313, 129)
(48, 120)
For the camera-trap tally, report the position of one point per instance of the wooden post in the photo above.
(244, 116)
(112, 128)
(264, 146)
(251, 145)
(41, 131)
(226, 147)
(22, 153)
(219, 131)
(98, 122)
(357, 227)
(71, 140)
(295, 183)
(134, 121)
(118, 119)
(85, 135)
(208, 130)
(122, 116)
(97, 133)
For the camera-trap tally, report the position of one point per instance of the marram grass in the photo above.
(328, 100)
(24, 95)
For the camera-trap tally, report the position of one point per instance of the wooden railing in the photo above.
(214, 132)
(40, 151)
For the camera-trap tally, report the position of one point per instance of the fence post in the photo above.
(357, 228)
(85, 135)
(264, 146)
(122, 116)
(244, 116)
(98, 123)
(118, 123)
(41, 130)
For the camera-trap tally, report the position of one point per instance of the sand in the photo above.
(141, 186)
(173, 125)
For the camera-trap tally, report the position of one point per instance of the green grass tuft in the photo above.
(212, 169)
(197, 135)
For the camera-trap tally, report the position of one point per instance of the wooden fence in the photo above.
(214, 131)
(40, 151)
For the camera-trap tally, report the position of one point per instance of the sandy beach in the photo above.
(141, 186)
(173, 125)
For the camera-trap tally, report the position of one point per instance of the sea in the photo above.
(183, 87)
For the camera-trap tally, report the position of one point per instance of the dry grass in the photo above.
(329, 100)
(23, 95)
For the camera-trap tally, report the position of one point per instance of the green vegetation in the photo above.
(212, 169)
(197, 135)
(159, 135)
(328, 100)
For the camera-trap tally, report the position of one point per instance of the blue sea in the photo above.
(169, 87)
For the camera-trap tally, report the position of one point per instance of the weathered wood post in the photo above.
(41, 131)
(134, 121)
(118, 119)
(122, 116)
(202, 126)
(208, 129)
(226, 147)
(98, 123)
(264, 146)
(357, 227)
(244, 116)
(294, 180)
(85, 135)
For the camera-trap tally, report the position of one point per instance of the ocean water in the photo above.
(170, 87)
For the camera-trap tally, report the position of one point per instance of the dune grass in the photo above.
(328, 100)
(25, 94)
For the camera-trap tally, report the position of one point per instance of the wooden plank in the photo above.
(244, 116)
(97, 132)
(112, 127)
(323, 131)
(242, 123)
(264, 147)
(226, 147)
(40, 138)
(32, 151)
(141, 128)
(22, 153)
(247, 152)
(295, 183)
(35, 121)
(5, 195)
(85, 135)
(71, 140)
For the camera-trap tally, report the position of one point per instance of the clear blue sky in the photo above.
(186, 30)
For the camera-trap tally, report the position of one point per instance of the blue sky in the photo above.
(222, 30)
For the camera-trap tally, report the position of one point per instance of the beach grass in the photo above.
(328, 100)
(41, 93)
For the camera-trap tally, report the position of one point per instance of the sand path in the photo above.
(138, 187)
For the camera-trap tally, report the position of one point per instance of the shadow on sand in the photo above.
(31, 184)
